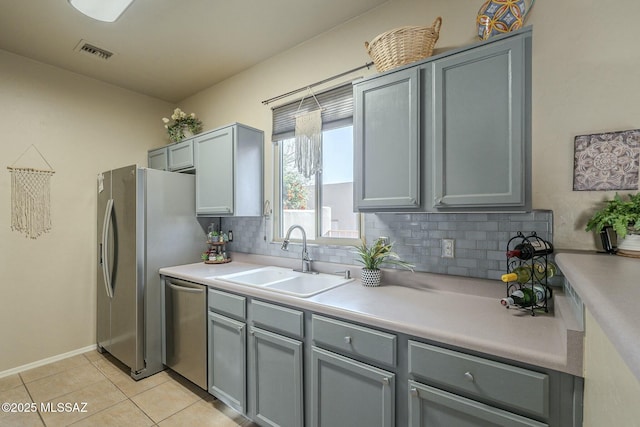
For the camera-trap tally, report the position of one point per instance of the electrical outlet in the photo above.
(448, 246)
(385, 240)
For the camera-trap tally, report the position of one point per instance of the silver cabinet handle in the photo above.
(347, 339)
(413, 391)
(385, 381)
(438, 201)
(469, 376)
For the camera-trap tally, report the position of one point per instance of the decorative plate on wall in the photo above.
(607, 161)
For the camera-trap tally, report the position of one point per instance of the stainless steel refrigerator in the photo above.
(146, 221)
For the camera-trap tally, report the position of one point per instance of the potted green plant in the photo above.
(623, 215)
(372, 257)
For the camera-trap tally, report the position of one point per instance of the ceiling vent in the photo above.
(93, 50)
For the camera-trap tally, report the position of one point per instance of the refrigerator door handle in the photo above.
(104, 247)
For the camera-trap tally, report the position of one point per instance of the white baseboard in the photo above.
(46, 361)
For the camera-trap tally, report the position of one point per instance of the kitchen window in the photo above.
(322, 203)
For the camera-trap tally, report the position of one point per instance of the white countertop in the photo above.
(452, 310)
(609, 287)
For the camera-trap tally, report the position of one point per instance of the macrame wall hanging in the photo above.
(31, 197)
(308, 140)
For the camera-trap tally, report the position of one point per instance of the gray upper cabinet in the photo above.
(181, 155)
(158, 159)
(478, 131)
(229, 171)
(387, 145)
(451, 133)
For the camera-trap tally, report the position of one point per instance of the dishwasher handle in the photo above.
(183, 286)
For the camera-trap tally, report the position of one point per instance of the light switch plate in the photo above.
(448, 246)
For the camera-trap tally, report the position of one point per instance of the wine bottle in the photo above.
(522, 274)
(530, 249)
(527, 296)
(539, 270)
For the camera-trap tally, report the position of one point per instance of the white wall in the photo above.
(585, 58)
(82, 127)
(612, 392)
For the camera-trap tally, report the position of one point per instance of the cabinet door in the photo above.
(276, 379)
(181, 155)
(350, 393)
(227, 361)
(478, 129)
(214, 177)
(431, 407)
(387, 146)
(157, 159)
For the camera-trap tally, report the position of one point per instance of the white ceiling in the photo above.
(169, 49)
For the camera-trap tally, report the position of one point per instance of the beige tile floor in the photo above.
(112, 397)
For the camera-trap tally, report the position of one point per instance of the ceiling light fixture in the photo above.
(106, 11)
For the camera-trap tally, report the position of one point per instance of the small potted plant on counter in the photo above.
(373, 257)
(623, 215)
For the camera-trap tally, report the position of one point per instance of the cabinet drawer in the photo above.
(519, 389)
(277, 319)
(429, 406)
(354, 340)
(229, 304)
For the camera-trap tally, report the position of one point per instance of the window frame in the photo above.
(278, 231)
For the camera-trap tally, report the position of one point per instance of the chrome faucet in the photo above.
(306, 260)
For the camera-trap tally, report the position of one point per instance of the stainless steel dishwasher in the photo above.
(186, 329)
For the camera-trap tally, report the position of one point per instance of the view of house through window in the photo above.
(323, 203)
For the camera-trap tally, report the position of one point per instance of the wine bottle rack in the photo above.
(541, 280)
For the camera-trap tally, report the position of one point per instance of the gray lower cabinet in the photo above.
(227, 349)
(158, 159)
(276, 382)
(283, 366)
(229, 171)
(346, 392)
(466, 390)
(276, 375)
(431, 407)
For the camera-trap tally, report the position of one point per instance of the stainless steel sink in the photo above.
(285, 280)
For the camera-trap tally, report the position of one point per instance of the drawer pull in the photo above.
(347, 339)
(469, 376)
(414, 391)
(385, 381)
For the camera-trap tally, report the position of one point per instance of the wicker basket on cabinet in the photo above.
(403, 45)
